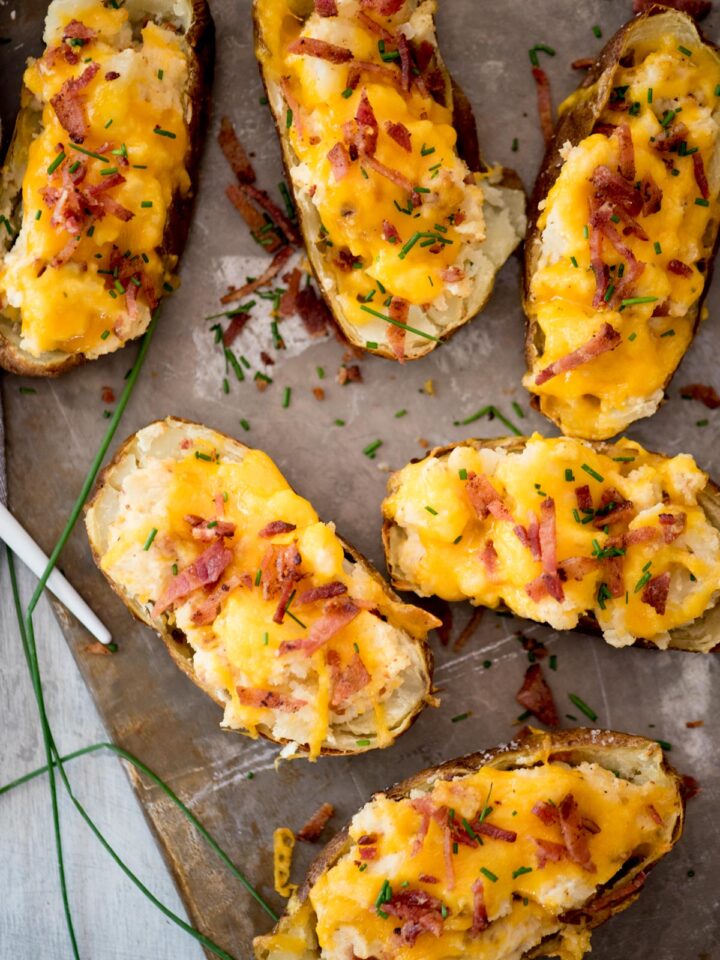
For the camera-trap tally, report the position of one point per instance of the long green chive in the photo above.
(515, 144)
(288, 118)
(56, 162)
(685, 52)
(460, 717)
(520, 871)
(491, 412)
(631, 301)
(593, 473)
(539, 48)
(151, 537)
(146, 203)
(88, 153)
(397, 323)
(668, 333)
(371, 448)
(287, 393)
(489, 874)
(582, 706)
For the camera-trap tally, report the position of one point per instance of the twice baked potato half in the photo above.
(404, 224)
(623, 228)
(606, 537)
(505, 855)
(96, 189)
(260, 603)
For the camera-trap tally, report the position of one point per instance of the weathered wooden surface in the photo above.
(151, 709)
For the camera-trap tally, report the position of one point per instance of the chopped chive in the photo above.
(586, 232)
(650, 95)
(288, 118)
(151, 537)
(347, 93)
(539, 48)
(226, 385)
(286, 397)
(432, 511)
(339, 422)
(160, 74)
(266, 638)
(457, 539)
(632, 336)
(371, 448)
(664, 744)
(569, 475)
(515, 145)
(371, 345)
(520, 871)
(552, 661)
(658, 248)
(593, 473)
(397, 323)
(463, 474)
(56, 162)
(631, 301)
(582, 706)
(701, 202)
(574, 262)
(174, 569)
(400, 413)
(701, 423)
(165, 133)
(202, 456)
(258, 578)
(105, 334)
(598, 33)
(366, 743)
(88, 153)
(72, 169)
(489, 874)
(685, 52)
(460, 717)
(320, 372)
(426, 151)
(668, 333)
(146, 203)
(28, 390)
(518, 409)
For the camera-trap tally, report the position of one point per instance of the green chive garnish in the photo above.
(151, 537)
(165, 133)
(593, 473)
(397, 323)
(582, 706)
(489, 874)
(520, 871)
(56, 162)
(432, 511)
(701, 202)
(286, 397)
(371, 448)
(598, 33)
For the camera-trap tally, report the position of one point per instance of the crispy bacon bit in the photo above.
(606, 339)
(326, 8)
(547, 851)
(67, 251)
(428, 878)
(288, 300)
(372, 26)
(679, 268)
(373, 70)
(386, 8)
(235, 153)
(651, 195)
(75, 30)
(582, 63)
(673, 525)
(68, 103)
(448, 857)
(654, 815)
(107, 395)
(536, 696)
(640, 535)
(349, 373)
(419, 911)
(312, 47)
(400, 134)
(484, 498)
(347, 681)
(253, 218)
(489, 557)
(276, 265)
(235, 328)
(452, 274)
(269, 700)
(278, 217)
(697, 9)
(318, 393)
(548, 535)
(546, 585)
(339, 161)
(368, 853)
(576, 568)
(702, 392)
(626, 158)
(203, 572)
(208, 609)
(613, 573)
(574, 833)
(311, 831)
(480, 920)
(423, 806)
(546, 812)
(398, 311)
(399, 179)
(326, 592)
(544, 102)
(584, 499)
(112, 75)
(607, 900)
(367, 127)
(615, 189)
(493, 831)
(671, 138)
(656, 591)
(276, 527)
(689, 786)
(313, 312)
(390, 232)
(700, 178)
(694, 724)
(613, 509)
(337, 613)
(208, 530)
(280, 572)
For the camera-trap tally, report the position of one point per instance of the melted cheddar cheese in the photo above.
(66, 279)
(380, 240)
(524, 894)
(439, 542)
(151, 542)
(668, 92)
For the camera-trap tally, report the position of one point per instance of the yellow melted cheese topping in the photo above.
(240, 648)
(522, 896)
(439, 537)
(79, 305)
(664, 87)
(351, 210)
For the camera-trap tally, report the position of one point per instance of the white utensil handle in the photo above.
(21, 543)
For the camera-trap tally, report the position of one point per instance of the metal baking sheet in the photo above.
(154, 711)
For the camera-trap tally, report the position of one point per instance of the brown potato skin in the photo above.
(574, 126)
(180, 650)
(587, 624)
(468, 148)
(201, 45)
(574, 745)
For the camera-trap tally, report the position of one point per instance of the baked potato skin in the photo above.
(201, 46)
(573, 127)
(175, 641)
(468, 148)
(610, 749)
(687, 638)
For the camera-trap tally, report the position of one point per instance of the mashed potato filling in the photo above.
(88, 263)
(484, 866)
(249, 635)
(555, 530)
(667, 100)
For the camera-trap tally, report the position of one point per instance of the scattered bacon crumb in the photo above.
(275, 528)
(205, 571)
(252, 217)
(702, 392)
(400, 134)
(679, 268)
(326, 8)
(469, 629)
(75, 30)
(325, 592)
(390, 232)
(700, 178)
(262, 199)
(480, 920)
(673, 525)
(311, 831)
(313, 312)
(489, 557)
(386, 8)
(536, 696)
(419, 912)
(534, 646)
(584, 498)
(544, 101)
(337, 613)
(318, 393)
(574, 833)
(582, 63)
(689, 786)
(546, 812)
(276, 265)
(234, 328)
(68, 103)
(112, 75)
(693, 724)
(614, 508)
(107, 395)
(269, 699)
(452, 274)
(349, 373)
(202, 529)
(339, 161)
(207, 610)
(347, 681)
(235, 153)
(312, 47)
(547, 851)
(97, 648)
(697, 9)
(656, 592)
(399, 179)
(546, 585)
(606, 339)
